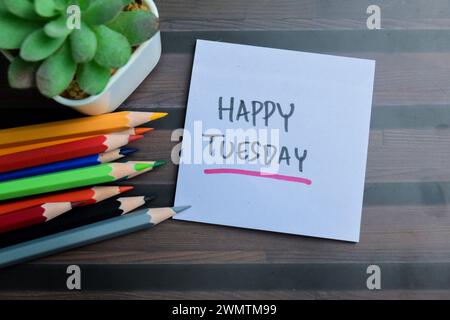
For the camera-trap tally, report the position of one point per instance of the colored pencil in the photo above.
(131, 176)
(73, 238)
(86, 161)
(69, 179)
(34, 215)
(77, 217)
(100, 124)
(16, 149)
(83, 196)
(65, 151)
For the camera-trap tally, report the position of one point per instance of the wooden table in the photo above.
(406, 219)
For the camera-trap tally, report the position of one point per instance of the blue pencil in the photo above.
(68, 164)
(84, 235)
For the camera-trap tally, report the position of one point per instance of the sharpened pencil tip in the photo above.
(125, 188)
(141, 131)
(149, 198)
(142, 166)
(157, 115)
(180, 209)
(127, 151)
(159, 163)
(134, 138)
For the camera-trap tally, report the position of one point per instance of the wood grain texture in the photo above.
(388, 234)
(400, 79)
(406, 216)
(232, 295)
(179, 15)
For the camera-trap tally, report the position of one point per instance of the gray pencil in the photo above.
(84, 235)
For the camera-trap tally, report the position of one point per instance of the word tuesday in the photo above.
(240, 110)
(252, 151)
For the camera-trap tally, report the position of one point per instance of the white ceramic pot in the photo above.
(124, 81)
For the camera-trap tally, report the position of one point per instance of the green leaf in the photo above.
(14, 30)
(3, 7)
(55, 74)
(113, 49)
(21, 73)
(93, 78)
(102, 11)
(83, 4)
(84, 44)
(61, 5)
(57, 28)
(38, 46)
(137, 26)
(45, 8)
(22, 8)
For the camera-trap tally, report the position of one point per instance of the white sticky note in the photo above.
(276, 140)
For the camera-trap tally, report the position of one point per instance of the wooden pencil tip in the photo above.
(142, 166)
(157, 115)
(127, 151)
(149, 198)
(141, 131)
(180, 209)
(123, 189)
(159, 163)
(134, 138)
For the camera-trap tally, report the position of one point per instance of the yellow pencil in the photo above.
(39, 145)
(76, 127)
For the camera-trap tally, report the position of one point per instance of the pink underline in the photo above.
(258, 174)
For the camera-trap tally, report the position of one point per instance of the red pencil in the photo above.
(64, 151)
(84, 196)
(33, 215)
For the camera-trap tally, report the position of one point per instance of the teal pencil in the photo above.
(84, 235)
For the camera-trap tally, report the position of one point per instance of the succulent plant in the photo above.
(50, 54)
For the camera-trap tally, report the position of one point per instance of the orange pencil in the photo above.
(77, 197)
(100, 124)
(25, 147)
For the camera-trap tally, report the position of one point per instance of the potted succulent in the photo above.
(92, 68)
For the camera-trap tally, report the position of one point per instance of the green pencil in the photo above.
(69, 179)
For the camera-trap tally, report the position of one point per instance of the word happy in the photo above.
(254, 111)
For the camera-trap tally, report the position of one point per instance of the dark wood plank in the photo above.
(388, 234)
(232, 295)
(401, 79)
(179, 15)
